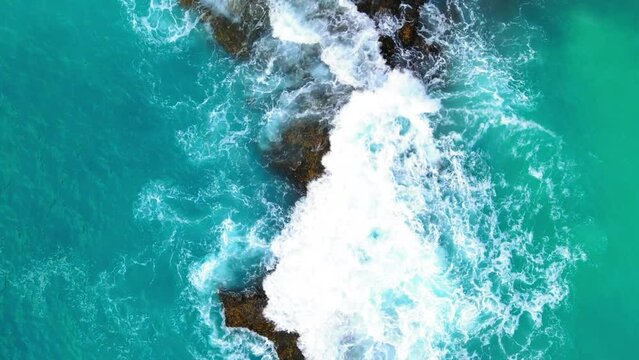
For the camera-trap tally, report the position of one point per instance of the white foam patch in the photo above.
(355, 273)
(347, 38)
(287, 26)
(233, 243)
(206, 276)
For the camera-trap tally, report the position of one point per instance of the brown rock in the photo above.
(408, 34)
(388, 50)
(245, 310)
(229, 35)
(236, 37)
(299, 153)
(188, 3)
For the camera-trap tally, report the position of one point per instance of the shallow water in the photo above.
(487, 215)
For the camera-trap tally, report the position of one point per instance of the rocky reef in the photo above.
(298, 155)
(239, 29)
(245, 310)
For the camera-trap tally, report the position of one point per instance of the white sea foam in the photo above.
(217, 270)
(347, 38)
(355, 271)
(288, 27)
(152, 204)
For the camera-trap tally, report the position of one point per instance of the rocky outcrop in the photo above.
(245, 310)
(235, 32)
(298, 155)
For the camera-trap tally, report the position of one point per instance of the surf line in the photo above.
(237, 26)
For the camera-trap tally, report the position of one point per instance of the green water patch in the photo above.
(589, 77)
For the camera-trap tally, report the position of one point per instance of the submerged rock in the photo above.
(245, 310)
(298, 155)
(188, 3)
(409, 8)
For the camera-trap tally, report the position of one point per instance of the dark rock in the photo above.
(433, 49)
(188, 3)
(229, 35)
(407, 34)
(246, 310)
(236, 36)
(375, 7)
(388, 50)
(407, 37)
(454, 13)
(407, 9)
(412, 9)
(298, 155)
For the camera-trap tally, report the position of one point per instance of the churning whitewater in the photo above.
(412, 245)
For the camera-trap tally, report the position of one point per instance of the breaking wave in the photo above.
(423, 237)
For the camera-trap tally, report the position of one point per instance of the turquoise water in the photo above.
(593, 109)
(132, 182)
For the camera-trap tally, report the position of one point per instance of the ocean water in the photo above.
(487, 213)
